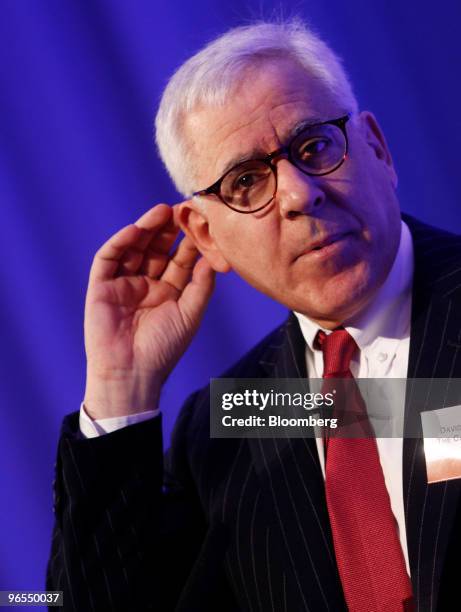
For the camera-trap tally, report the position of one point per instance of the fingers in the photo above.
(153, 264)
(144, 247)
(158, 235)
(156, 256)
(179, 269)
(197, 293)
(155, 217)
(107, 259)
(160, 227)
(124, 252)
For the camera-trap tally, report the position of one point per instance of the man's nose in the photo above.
(297, 193)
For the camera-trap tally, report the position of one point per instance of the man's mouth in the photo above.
(324, 245)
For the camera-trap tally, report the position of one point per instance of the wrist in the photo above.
(119, 395)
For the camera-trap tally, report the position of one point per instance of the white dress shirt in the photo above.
(382, 333)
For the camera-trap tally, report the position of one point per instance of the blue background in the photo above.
(79, 84)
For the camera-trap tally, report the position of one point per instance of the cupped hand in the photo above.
(144, 304)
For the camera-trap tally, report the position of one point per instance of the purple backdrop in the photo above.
(79, 84)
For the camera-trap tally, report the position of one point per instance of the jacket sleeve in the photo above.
(127, 531)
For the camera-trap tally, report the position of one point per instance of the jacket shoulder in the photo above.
(437, 256)
(251, 364)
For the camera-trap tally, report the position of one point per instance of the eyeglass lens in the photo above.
(252, 184)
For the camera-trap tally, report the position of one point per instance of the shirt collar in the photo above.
(388, 314)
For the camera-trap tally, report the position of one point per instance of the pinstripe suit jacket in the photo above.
(242, 524)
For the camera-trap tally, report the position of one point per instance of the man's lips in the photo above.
(321, 245)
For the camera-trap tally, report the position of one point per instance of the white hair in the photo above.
(208, 77)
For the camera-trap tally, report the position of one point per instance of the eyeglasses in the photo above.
(251, 185)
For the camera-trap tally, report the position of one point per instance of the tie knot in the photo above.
(338, 349)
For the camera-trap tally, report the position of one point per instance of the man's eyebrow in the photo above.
(302, 125)
(240, 159)
(259, 153)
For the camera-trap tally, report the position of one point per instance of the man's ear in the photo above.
(194, 223)
(375, 139)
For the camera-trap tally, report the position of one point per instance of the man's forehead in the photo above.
(282, 137)
(221, 149)
(265, 111)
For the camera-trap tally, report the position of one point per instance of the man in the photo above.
(288, 184)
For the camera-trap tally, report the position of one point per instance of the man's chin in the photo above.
(336, 303)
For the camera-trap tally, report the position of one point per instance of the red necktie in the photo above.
(368, 551)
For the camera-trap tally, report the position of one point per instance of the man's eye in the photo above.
(246, 181)
(312, 148)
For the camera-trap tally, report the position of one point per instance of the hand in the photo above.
(143, 307)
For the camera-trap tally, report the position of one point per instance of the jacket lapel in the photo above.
(435, 352)
(293, 492)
